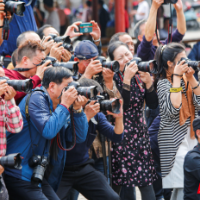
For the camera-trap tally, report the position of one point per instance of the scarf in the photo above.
(187, 109)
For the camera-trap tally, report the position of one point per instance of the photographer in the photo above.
(149, 43)
(30, 54)
(179, 102)
(79, 172)
(18, 25)
(10, 120)
(49, 115)
(192, 167)
(133, 154)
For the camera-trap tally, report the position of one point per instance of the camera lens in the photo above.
(11, 161)
(110, 105)
(114, 66)
(116, 106)
(38, 174)
(15, 7)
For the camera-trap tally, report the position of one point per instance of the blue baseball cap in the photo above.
(86, 50)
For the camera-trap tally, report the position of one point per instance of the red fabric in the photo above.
(14, 75)
(198, 191)
(10, 119)
(126, 20)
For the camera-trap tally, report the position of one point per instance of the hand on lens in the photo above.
(91, 109)
(2, 10)
(121, 111)
(107, 75)
(69, 96)
(66, 55)
(41, 69)
(181, 68)
(3, 87)
(130, 71)
(190, 72)
(48, 43)
(96, 31)
(70, 30)
(93, 68)
(80, 101)
(1, 170)
(146, 78)
(10, 93)
(178, 6)
(157, 3)
(57, 51)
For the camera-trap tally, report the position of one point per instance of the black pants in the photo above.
(89, 182)
(24, 190)
(147, 192)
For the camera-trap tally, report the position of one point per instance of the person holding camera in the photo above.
(78, 170)
(192, 167)
(132, 162)
(10, 120)
(30, 54)
(17, 25)
(179, 102)
(45, 114)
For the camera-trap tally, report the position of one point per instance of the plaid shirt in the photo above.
(10, 119)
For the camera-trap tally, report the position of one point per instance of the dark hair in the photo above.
(14, 57)
(40, 31)
(167, 53)
(22, 36)
(113, 46)
(29, 49)
(101, 2)
(56, 75)
(116, 36)
(89, 3)
(90, 82)
(137, 30)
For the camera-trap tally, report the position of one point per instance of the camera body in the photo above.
(19, 85)
(71, 65)
(194, 64)
(17, 7)
(85, 28)
(64, 39)
(112, 65)
(39, 165)
(170, 1)
(148, 66)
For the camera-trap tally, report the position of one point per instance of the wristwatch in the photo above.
(78, 111)
(96, 40)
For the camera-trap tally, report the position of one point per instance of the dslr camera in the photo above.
(149, 66)
(194, 64)
(88, 92)
(19, 85)
(170, 1)
(39, 165)
(17, 7)
(64, 39)
(112, 65)
(71, 65)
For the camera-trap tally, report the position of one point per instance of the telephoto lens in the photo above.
(88, 92)
(112, 65)
(19, 85)
(17, 7)
(149, 66)
(194, 64)
(64, 39)
(11, 161)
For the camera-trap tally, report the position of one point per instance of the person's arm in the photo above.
(105, 128)
(194, 53)
(181, 22)
(14, 122)
(151, 21)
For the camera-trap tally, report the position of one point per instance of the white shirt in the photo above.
(143, 7)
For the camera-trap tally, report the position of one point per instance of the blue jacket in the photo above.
(44, 127)
(19, 25)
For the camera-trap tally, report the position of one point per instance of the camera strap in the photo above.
(28, 116)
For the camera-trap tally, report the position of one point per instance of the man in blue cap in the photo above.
(192, 168)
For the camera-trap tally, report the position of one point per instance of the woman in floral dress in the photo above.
(132, 162)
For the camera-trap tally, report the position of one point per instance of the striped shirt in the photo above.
(171, 134)
(10, 119)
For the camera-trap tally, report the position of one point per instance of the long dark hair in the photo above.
(167, 53)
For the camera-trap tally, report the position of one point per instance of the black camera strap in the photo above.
(28, 117)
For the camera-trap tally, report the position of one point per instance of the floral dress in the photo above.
(132, 162)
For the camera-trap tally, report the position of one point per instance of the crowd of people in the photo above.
(145, 106)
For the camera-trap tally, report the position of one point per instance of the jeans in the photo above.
(24, 190)
(128, 193)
